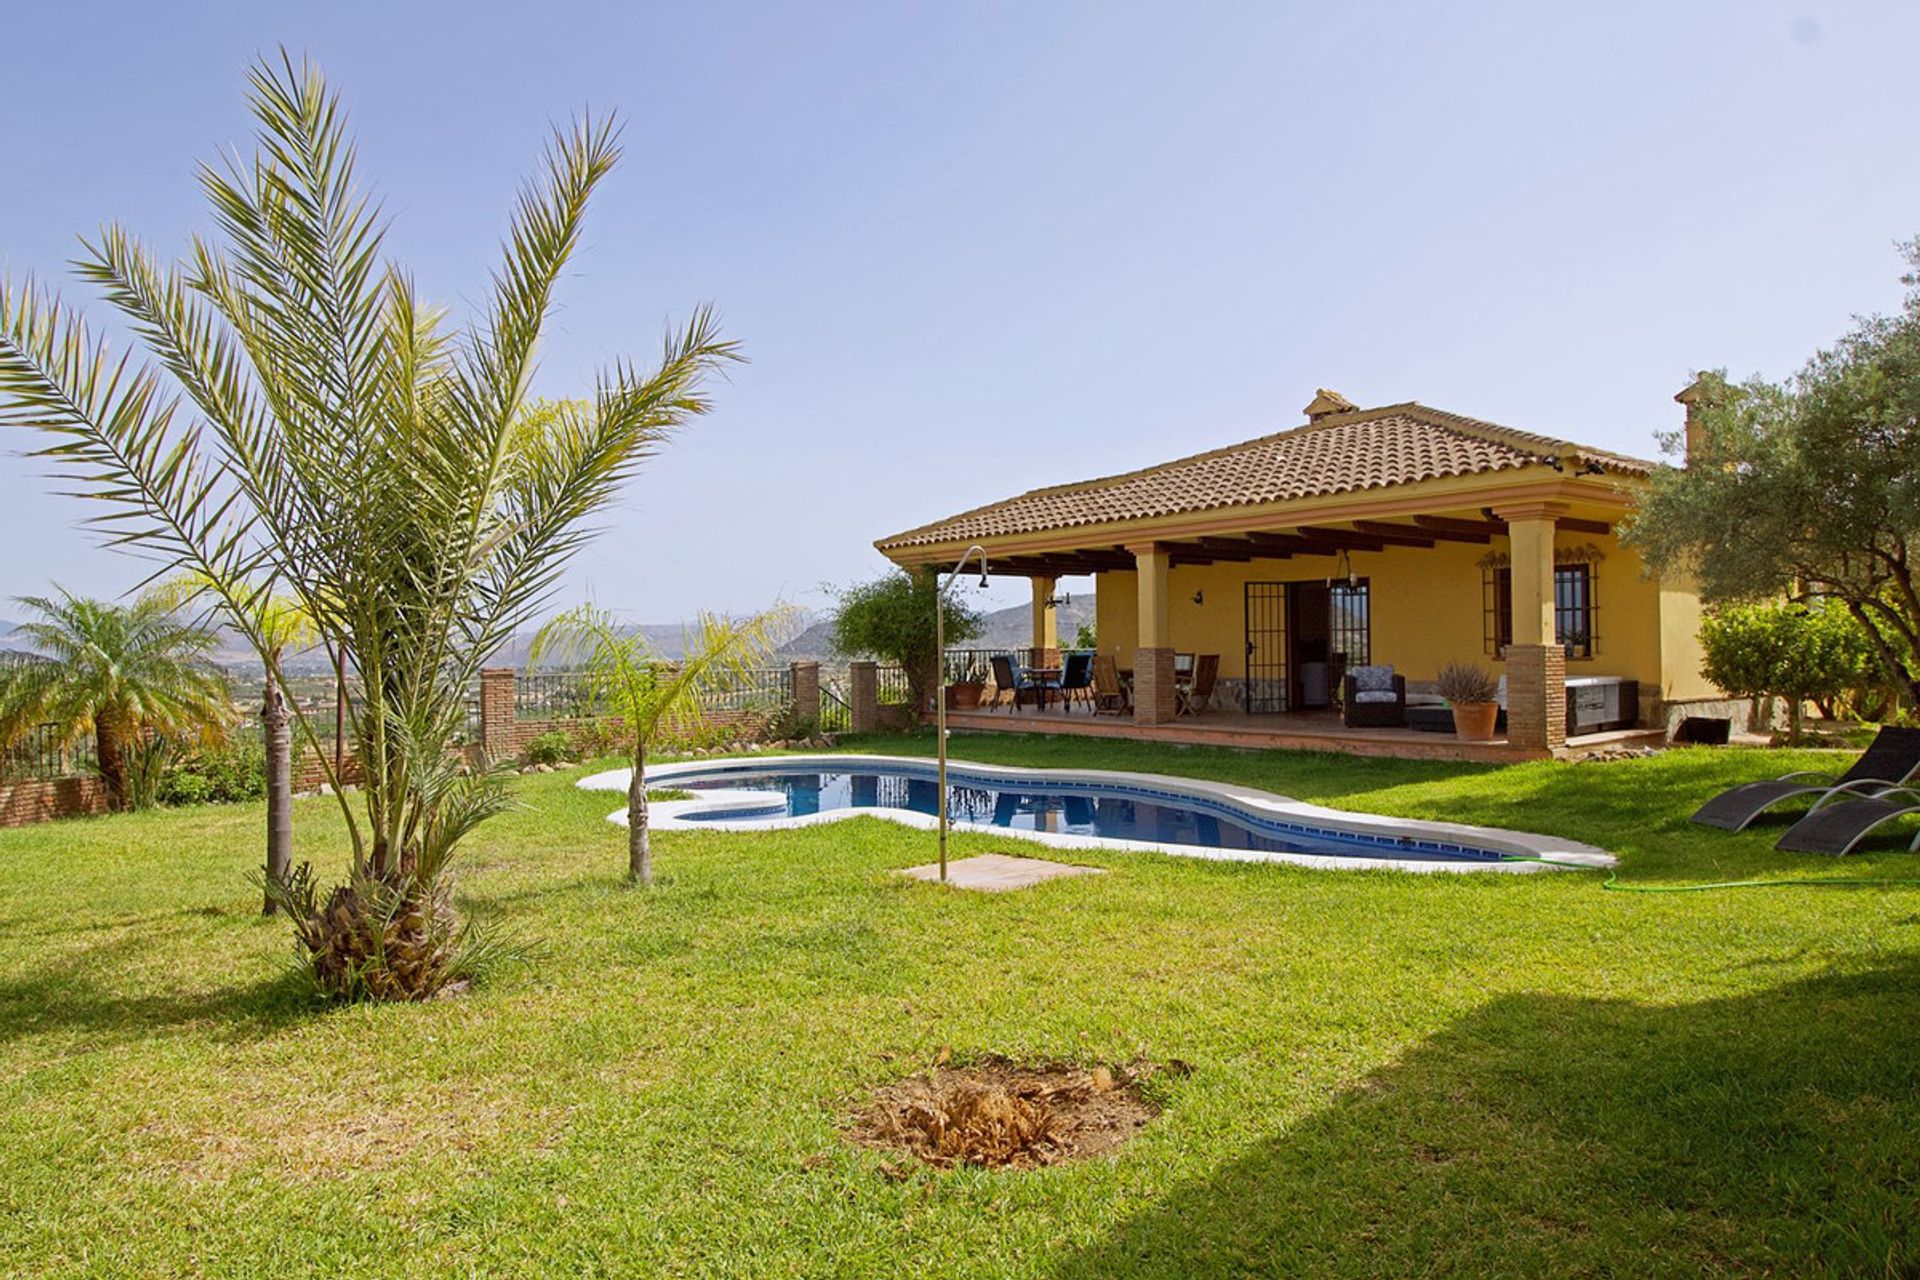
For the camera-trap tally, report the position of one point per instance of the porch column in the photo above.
(1153, 700)
(1046, 628)
(1536, 664)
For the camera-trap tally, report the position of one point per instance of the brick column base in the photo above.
(806, 692)
(496, 713)
(1537, 696)
(1153, 699)
(863, 696)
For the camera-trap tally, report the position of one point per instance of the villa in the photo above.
(1401, 536)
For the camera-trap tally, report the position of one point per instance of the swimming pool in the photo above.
(1076, 808)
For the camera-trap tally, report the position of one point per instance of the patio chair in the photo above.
(1109, 695)
(1028, 688)
(1374, 697)
(1007, 677)
(1197, 695)
(1891, 760)
(1846, 815)
(1076, 677)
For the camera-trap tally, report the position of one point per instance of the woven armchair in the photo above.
(1374, 698)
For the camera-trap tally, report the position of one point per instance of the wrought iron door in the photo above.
(1266, 647)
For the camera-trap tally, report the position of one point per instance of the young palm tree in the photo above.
(305, 425)
(626, 677)
(120, 672)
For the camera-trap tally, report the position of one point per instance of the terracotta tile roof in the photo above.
(1338, 453)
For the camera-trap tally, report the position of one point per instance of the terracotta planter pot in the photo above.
(1474, 721)
(964, 697)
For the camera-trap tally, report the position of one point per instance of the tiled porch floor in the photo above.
(1299, 730)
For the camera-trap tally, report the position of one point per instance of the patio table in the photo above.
(1038, 677)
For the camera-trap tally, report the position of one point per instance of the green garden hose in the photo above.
(1612, 883)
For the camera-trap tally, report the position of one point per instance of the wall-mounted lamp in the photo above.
(1054, 602)
(1200, 597)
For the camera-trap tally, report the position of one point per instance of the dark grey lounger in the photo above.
(1893, 759)
(1836, 823)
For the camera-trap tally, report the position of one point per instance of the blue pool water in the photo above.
(1108, 810)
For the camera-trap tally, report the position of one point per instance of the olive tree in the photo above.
(891, 618)
(1808, 488)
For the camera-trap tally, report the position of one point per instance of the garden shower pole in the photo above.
(940, 687)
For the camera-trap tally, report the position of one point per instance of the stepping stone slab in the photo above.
(997, 873)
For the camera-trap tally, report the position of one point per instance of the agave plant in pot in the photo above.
(1473, 694)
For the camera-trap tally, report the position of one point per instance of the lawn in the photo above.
(1392, 1074)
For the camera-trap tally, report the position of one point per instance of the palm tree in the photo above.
(283, 625)
(626, 677)
(306, 425)
(120, 672)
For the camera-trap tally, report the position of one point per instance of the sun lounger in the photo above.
(1844, 817)
(1892, 760)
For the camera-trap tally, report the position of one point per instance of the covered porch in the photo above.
(1278, 617)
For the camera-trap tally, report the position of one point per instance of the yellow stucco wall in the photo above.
(1426, 611)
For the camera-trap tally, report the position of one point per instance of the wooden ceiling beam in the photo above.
(1393, 535)
(1451, 524)
(1342, 538)
(1572, 525)
(1230, 548)
(1283, 545)
(1413, 535)
(1212, 547)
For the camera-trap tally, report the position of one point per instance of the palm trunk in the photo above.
(279, 742)
(639, 851)
(109, 748)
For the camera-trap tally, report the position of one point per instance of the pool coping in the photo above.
(665, 815)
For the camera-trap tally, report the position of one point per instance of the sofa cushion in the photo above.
(1373, 680)
(1375, 695)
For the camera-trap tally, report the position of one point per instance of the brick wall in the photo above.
(42, 800)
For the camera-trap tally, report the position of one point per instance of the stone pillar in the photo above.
(1536, 664)
(1153, 697)
(1046, 627)
(863, 696)
(806, 692)
(1537, 696)
(496, 713)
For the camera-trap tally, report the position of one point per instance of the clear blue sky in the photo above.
(971, 249)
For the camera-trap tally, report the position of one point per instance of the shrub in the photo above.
(551, 747)
(1803, 653)
(220, 775)
(593, 738)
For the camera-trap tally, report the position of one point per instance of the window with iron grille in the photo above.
(1575, 607)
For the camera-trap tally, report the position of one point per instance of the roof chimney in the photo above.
(1695, 398)
(1326, 403)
